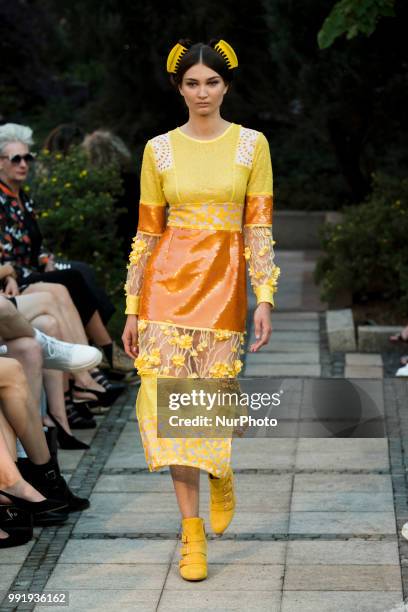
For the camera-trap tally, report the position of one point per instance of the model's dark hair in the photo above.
(201, 53)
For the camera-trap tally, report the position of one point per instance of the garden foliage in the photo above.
(367, 252)
(76, 210)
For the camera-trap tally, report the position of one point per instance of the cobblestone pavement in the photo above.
(317, 520)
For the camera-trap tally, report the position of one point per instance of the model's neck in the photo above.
(205, 127)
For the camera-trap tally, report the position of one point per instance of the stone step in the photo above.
(363, 371)
(363, 359)
(294, 325)
(375, 338)
(293, 336)
(268, 369)
(281, 358)
(275, 346)
(340, 330)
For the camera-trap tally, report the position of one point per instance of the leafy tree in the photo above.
(351, 18)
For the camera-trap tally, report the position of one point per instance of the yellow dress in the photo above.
(205, 208)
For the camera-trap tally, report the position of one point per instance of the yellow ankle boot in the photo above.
(222, 501)
(193, 562)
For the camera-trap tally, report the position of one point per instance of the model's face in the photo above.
(10, 171)
(203, 89)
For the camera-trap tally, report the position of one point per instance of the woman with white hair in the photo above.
(21, 239)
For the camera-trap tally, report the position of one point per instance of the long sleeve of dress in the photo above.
(258, 239)
(151, 225)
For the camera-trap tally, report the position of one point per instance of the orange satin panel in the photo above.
(196, 275)
(258, 210)
(152, 219)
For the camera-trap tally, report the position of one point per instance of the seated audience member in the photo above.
(402, 336)
(21, 505)
(21, 411)
(90, 389)
(21, 239)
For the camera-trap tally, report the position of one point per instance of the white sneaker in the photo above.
(404, 531)
(58, 355)
(402, 371)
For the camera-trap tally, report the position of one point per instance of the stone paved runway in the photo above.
(315, 528)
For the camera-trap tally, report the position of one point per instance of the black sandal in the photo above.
(47, 512)
(17, 523)
(104, 398)
(78, 413)
(104, 381)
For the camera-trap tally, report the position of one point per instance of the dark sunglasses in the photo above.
(17, 159)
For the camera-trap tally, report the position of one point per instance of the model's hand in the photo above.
(129, 337)
(11, 287)
(262, 325)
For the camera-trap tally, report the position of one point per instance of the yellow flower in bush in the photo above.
(167, 332)
(152, 339)
(178, 360)
(83, 173)
(68, 185)
(193, 353)
(185, 341)
(247, 253)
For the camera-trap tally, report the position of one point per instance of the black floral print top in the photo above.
(20, 236)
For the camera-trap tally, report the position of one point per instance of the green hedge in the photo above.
(76, 212)
(367, 252)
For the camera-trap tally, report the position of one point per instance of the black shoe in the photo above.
(84, 409)
(78, 413)
(47, 512)
(104, 398)
(17, 523)
(103, 380)
(65, 440)
(48, 480)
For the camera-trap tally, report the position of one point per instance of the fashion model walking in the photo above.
(186, 283)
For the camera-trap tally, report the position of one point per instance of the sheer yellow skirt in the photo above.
(168, 351)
